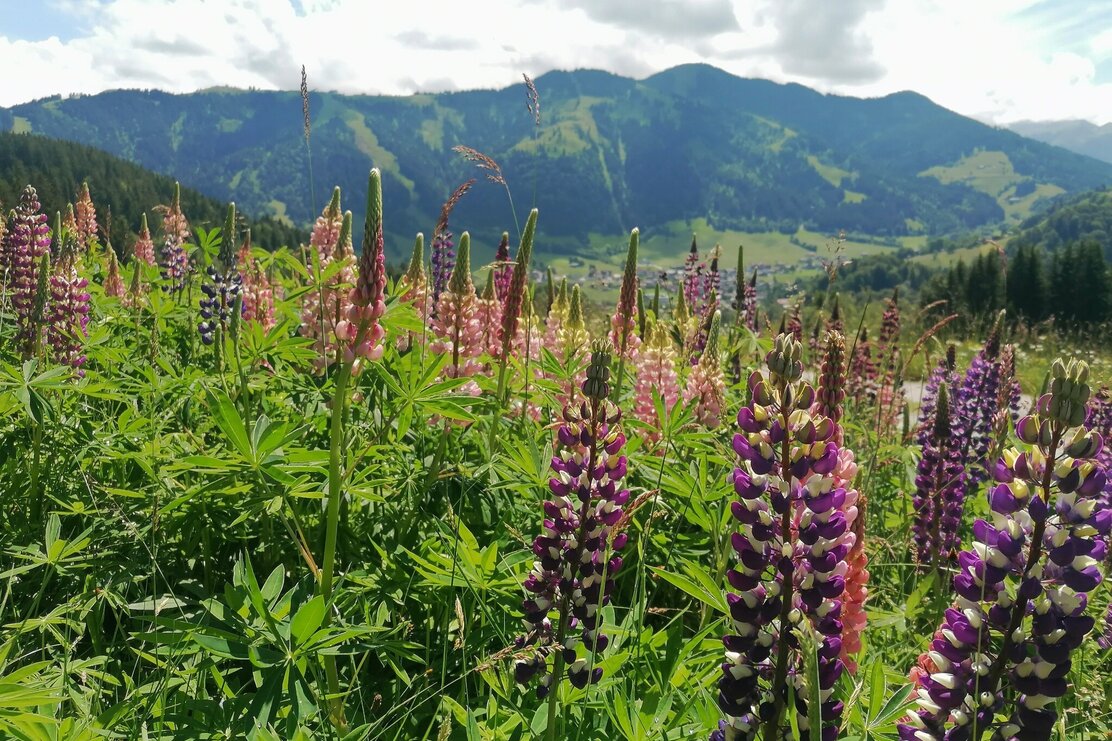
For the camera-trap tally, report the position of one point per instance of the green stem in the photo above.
(36, 497)
(557, 671)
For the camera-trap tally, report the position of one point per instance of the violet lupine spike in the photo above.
(515, 292)
(66, 314)
(456, 328)
(1001, 657)
(143, 250)
(223, 286)
(791, 544)
(503, 267)
(443, 262)
(363, 332)
(26, 240)
(175, 233)
(705, 389)
(944, 374)
(940, 485)
(975, 408)
(577, 559)
(623, 324)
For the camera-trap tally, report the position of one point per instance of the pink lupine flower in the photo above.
(456, 325)
(67, 312)
(515, 289)
(85, 214)
(256, 291)
(113, 283)
(326, 304)
(557, 317)
(656, 371)
(144, 245)
(175, 233)
(706, 384)
(69, 221)
(363, 332)
(488, 311)
(623, 324)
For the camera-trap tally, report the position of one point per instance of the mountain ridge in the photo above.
(611, 152)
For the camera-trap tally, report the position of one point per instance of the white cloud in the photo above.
(1000, 60)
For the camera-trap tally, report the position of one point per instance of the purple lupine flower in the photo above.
(792, 544)
(443, 261)
(944, 374)
(573, 575)
(1022, 587)
(939, 498)
(175, 232)
(67, 312)
(224, 285)
(26, 240)
(503, 267)
(975, 403)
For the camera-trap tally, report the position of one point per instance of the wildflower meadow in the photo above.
(361, 489)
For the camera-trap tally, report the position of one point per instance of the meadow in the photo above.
(283, 494)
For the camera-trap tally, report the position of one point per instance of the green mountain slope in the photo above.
(611, 153)
(1084, 218)
(57, 168)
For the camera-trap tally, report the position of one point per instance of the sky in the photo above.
(997, 60)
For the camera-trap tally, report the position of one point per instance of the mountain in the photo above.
(610, 153)
(1083, 137)
(57, 169)
(1083, 218)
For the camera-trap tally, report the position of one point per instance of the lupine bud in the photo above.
(515, 289)
(113, 283)
(143, 250)
(623, 323)
(364, 332)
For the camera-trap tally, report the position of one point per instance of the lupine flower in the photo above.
(527, 350)
(143, 250)
(795, 323)
(750, 303)
(362, 332)
(623, 324)
(414, 289)
(975, 407)
(693, 277)
(503, 267)
(326, 304)
(456, 324)
(488, 312)
(706, 384)
(557, 317)
(655, 372)
(222, 291)
(832, 381)
(443, 264)
(792, 545)
(702, 329)
(944, 374)
(85, 215)
(175, 233)
(571, 341)
(573, 576)
(1008, 396)
(69, 221)
(862, 370)
(67, 312)
(889, 337)
(515, 290)
(26, 240)
(1002, 654)
(940, 487)
(258, 293)
(113, 283)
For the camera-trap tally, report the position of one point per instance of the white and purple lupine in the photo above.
(1001, 656)
(576, 552)
(221, 292)
(791, 545)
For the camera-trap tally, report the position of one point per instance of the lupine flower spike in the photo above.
(793, 539)
(515, 289)
(326, 304)
(456, 324)
(1001, 657)
(113, 283)
(258, 293)
(939, 498)
(623, 324)
(143, 250)
(85, 216)
(26, 240)
(488, 312)
(573, 576)
(67, 311)
(557, 317)
(414, 290)
(706, 384)
(571, 341)
(503, 267)
(222, 291)
(656, 373)
(175, 233)
(362, 331)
